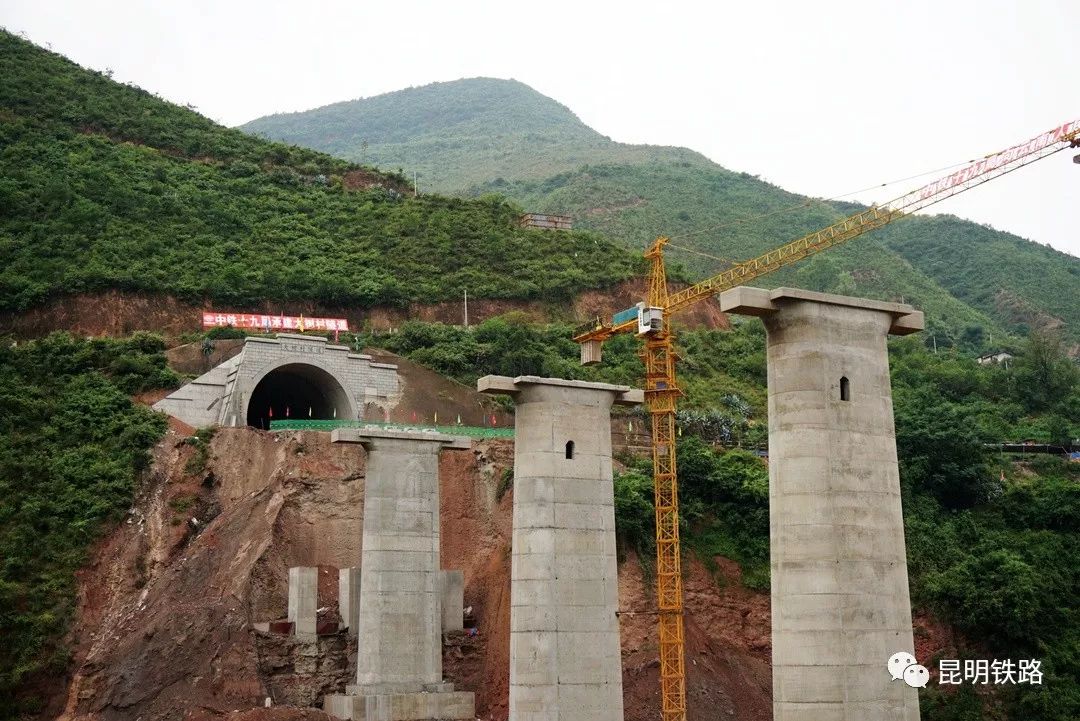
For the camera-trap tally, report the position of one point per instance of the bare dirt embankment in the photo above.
(116, 313)
(169, 598)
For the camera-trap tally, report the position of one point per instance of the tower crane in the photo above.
(651, 320)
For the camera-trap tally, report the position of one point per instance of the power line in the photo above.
(810, 201)
(683, 248)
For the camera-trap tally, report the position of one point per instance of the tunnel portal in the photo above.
(287, 376)
(299, 391)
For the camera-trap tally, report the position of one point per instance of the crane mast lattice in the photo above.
(652, 320)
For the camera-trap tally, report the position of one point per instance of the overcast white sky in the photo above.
(821, 98)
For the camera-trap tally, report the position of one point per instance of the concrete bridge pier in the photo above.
(565, 658)
(840, 603)
(399, 624)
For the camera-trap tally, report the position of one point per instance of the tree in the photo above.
(1043, 376)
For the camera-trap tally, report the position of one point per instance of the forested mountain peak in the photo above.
(470, 106)
(460, 133)
(479, 136)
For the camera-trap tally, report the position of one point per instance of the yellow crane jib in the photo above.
(651, 320)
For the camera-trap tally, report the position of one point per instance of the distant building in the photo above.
(547, 222)
(995, 357)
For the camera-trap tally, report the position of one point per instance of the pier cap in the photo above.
(746, 300)
(374, 433)
(505, 385)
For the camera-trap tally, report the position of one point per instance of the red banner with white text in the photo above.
(271, 323)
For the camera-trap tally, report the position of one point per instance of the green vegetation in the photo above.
(1031, 285)
(484, 135)
(201, 442)
(103, 186)
(724, 383)
(459, 134)
(1019, 283)
(992, 543)
(506, 482)
(72, 444)
(723, 503)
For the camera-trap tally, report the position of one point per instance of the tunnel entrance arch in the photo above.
(303, 374)
(297, 390)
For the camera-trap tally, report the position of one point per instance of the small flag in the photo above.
(271, 411)
(436, 418)
(309, 411)
(286, 411)
(494, 421)
(459, 419)
(335, 412)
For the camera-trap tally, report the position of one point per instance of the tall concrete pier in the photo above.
(565, 660)
(399, 629)
(840, 604)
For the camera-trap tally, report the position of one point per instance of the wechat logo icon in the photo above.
(902, 665)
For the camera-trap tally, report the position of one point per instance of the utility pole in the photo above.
(466, 309)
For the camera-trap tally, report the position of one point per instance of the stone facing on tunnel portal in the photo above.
(565, 660)
(304, 372)
(840, 604)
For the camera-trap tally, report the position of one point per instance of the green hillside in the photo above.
(992, 539)
(105, 186)
(460, 133)
(482, 135)
(960, 272)
(638, 202)
(1022, 284)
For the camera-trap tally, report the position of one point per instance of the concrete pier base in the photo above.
(304, 601)
(349, 598)
(565, 660)
(402, 706)
(399, 628)
(840, 603)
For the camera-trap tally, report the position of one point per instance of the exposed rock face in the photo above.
(169, 601)
(299, 674)
(168, 604)
(119, 313)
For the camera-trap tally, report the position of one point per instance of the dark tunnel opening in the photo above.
(296, 391)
